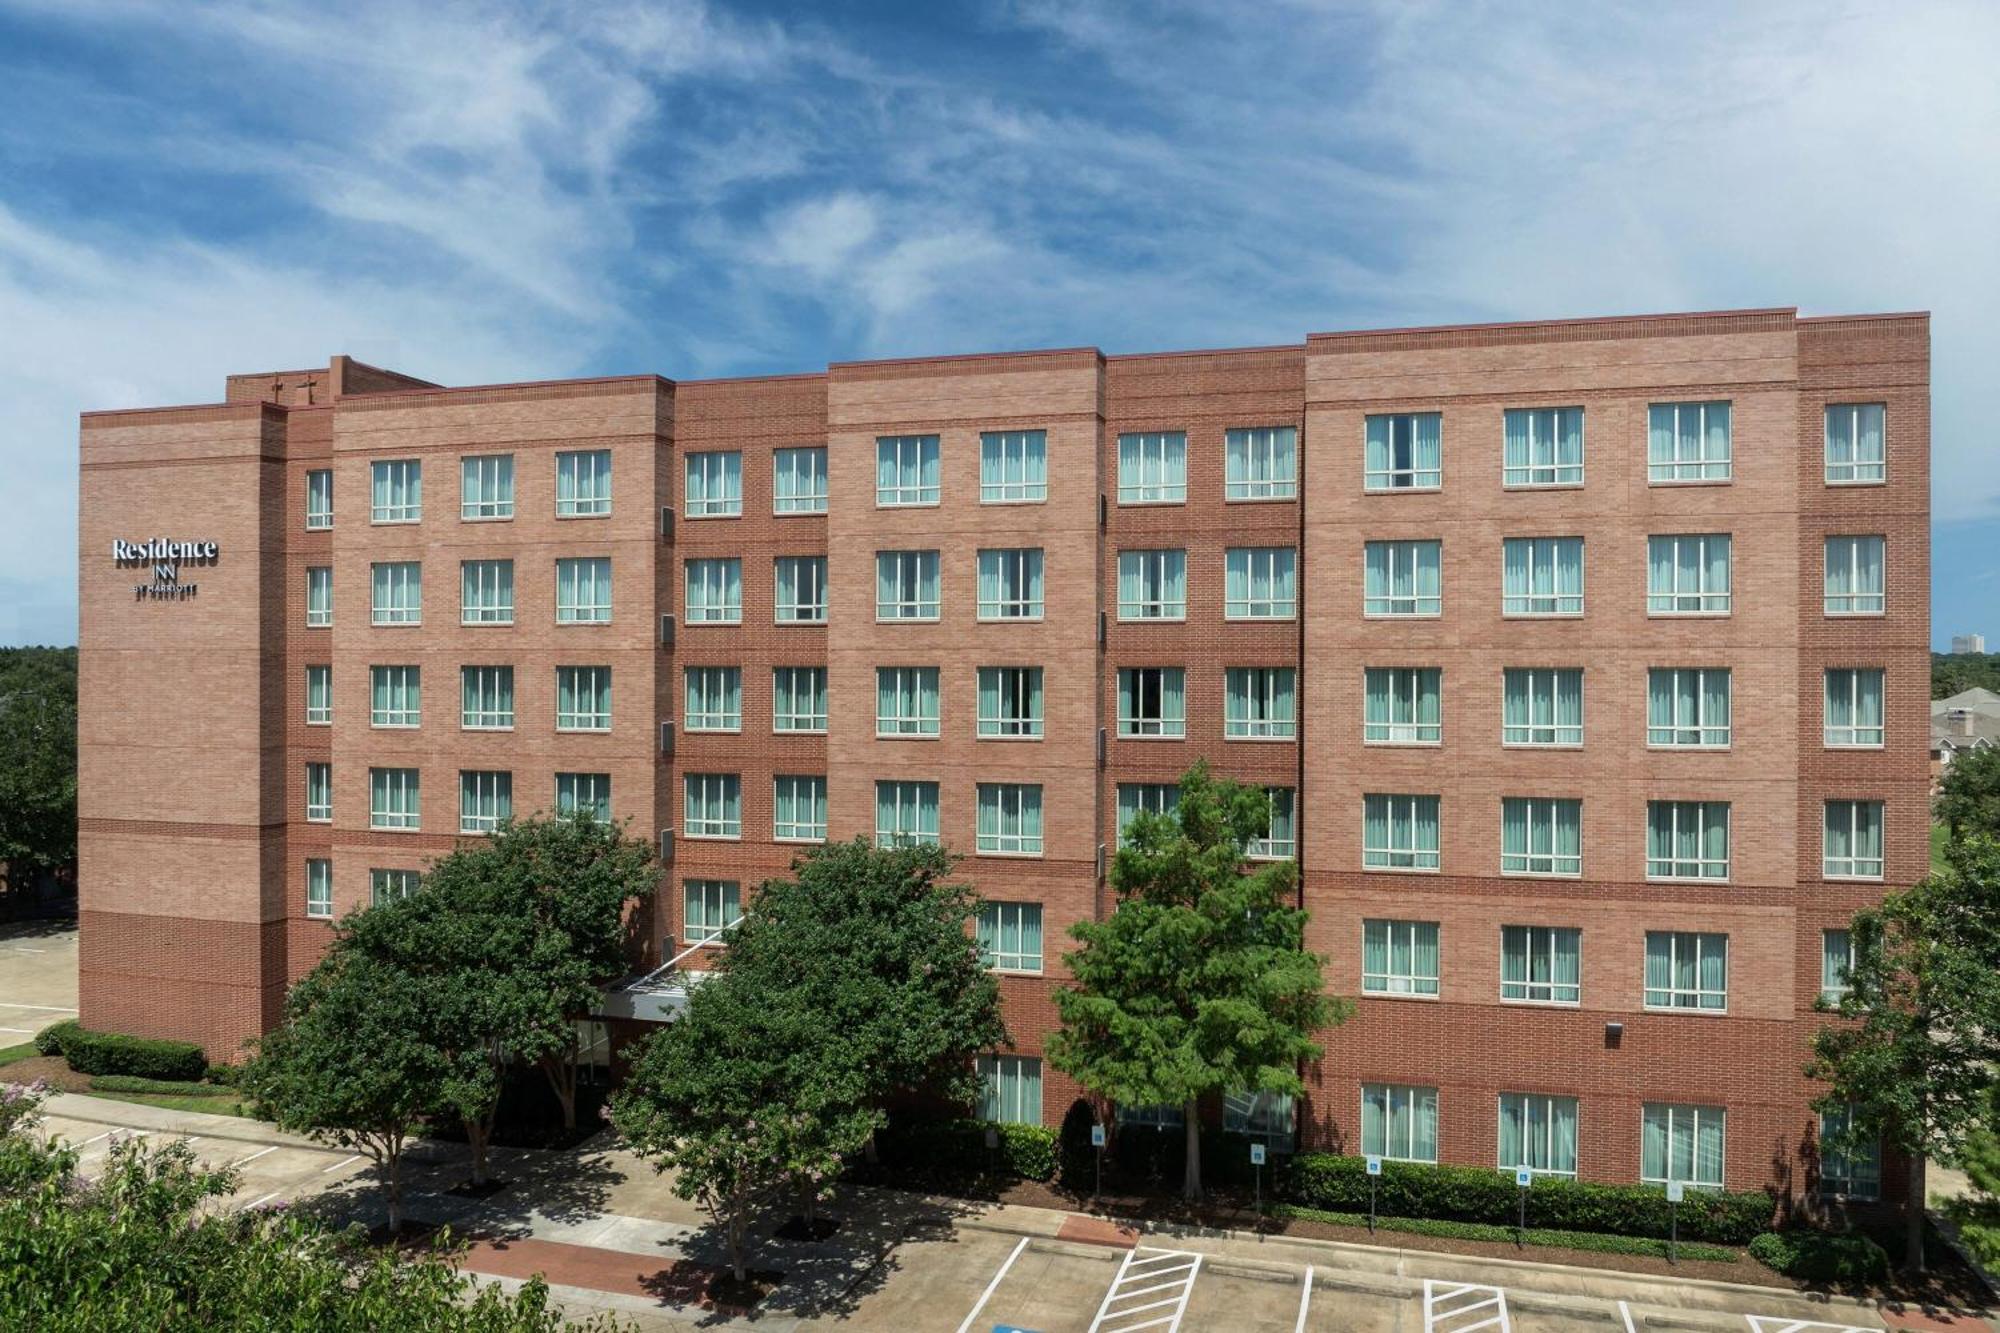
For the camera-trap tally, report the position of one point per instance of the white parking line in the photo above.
(265, 1199)
(255, 1155)
(1149, 1271)
(345, 1161)
(1762, 1323)
(23, 1031)
(987, 1294)
(1454, 1307)
(1625, 1313)
(52, 1008)
(1305, 1300)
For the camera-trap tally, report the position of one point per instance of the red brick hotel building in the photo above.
(1586, 660)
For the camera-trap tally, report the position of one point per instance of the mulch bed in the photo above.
(50, 1069)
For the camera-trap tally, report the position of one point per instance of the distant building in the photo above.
(1968, 643)
(1968, 720)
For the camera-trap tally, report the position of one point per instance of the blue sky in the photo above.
(490, 191)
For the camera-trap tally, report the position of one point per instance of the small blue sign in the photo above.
(1524, 1176)
(1256, 1154)
(1374, 1165)
(1011, 1328)
(1097, 1136)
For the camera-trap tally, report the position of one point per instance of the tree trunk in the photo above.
(1913, 1209)
(1191, 1181)
(808, 1198)
(560, 1067)
(737, 1205)
(393, 1163)
(478, 1130)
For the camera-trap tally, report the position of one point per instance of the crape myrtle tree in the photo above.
(1968, 799)
(1916, 1058)
(37, 762)
(1199, 983)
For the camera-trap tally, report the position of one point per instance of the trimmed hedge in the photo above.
(49, 1041)
(1472, 1194)
(1847, 1259)
(143, 1057)
(1595, 1241)
(163, 1086)
(955, 1149)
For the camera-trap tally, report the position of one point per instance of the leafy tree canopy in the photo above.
(37, 758)
(1953, 673)
(1968, 799)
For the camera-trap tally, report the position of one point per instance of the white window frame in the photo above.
(1546, 469)
(706, 692)
(995, 922)
(1391, 981)
(589, 691)
(1851, 866)
(404, 685)
(710, 583)
(1019, 691)
(1853, 736)
(1139, 686)
(909, 798)
(1548, 1118)
(587, 606)
(786, 465)
(1706, 733)
(486, 592)
(319, 686)
(319, 596)
(385, 886)
(1152, 467)
(1284, 809)
(319, 782)
(1675, 1111)
(583, 483)
(1542, 683)
(785, 685)
(1677, 867)
(484, 685)
(319, 499)
(1855, 604)
(401, 482)
(1260, 690)
(485, 487)
(1011, 804)
(1015, 449)
(1275, 569)
(1261, 463)
(319, 888)
(1405, 688)
(485, 798)
(813, 830)
(1542, 812)
(1401, 816)
(906, 457)
(1706, 601)
(905, 569)
(395, 799)
(1699, 469)
(1003, 1081)
(1541, 605)
(578, 792)
(1154, 566)
(806, 603)
(1392, 479)
(1857, 471)
(1540, 945)
(1685, 999)
(1832, 993)
(1391, 605)
(713, 466)
(908, 720)
(704, 804)
(1407, 1101)
(721, 906)
(1843, 1173)
(402, 583)
(1018, 571)
(1147, 798)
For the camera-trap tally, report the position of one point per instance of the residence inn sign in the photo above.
(165, 558)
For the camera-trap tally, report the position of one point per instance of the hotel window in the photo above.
(1262, 464)
(715, 485)
(1688, 574)
(906, 585)
(1402, 579)
(1850, 1165)
(906, 701)
(1405, 452)
(1541, 706)
(1399, 957)
(1852, 848)
(1836, 964)
(798, 809)
(801, 593)
(319, 793)
(1399, 832)
(1010, 702)
(1152, 585)
(319, 500)
(397, 596)
(710, 906)
(1541, 576)
(906, 470)
(715, 591)
(319, 888)
(1152, 1117)
(1683, 1143)
(1687, 707)
(583, 483)
(1854, 583)
(1010, 936)
(1280, 839)
(798, 699)
(1542, 446)
(1401, 705)
(1399, 1123)
(388, 886)
(396, 493)
(1539, 1132)
(1541, 964)
(799, 481)
(1686, 970)
(484, 799)
(1010, 1089)
(1688, 442)
(714, 699)
(580, 795)
(1854, 444)
(1687, 840)
(1264, 1115)
(1010, 819)
(395, 696)
(1152, 468)
(1541, 836)
(486, 698)
(486, 486)
(1854, 708)
(1013, 466)
(1260, 583)
(712, 805)
(1145, 798)
(319, 696)
(1152, 701)
(1258, 703)
(486, 594)
(394, 799)
(1010, 584)
(583, 698)
(319, 596)
(906, 814)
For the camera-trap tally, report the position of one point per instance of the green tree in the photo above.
(37, 761)
(1952, 673)
(1978, 1214)
(1916, 1056)
(1968, 799)
(354, 1062)
(145, 1244)
(1199, 983)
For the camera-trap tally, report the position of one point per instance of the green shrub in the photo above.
(49, 1041)
(1159, 1153)
(1844, 1259)
(1596, 1241)
(225, 1075)
(144, 1057)
(1473, 1194)
(165, 1087)
(956, 1149)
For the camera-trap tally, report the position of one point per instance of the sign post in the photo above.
(1524, 1176)
(1676, 1191)
(1257, 1160)
(1374, 1174)
(1097, 1142)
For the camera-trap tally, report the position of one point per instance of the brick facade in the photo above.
(195, 742)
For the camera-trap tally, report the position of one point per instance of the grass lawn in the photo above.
(224, 1105)
(25, 1051)
(1937, 846)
